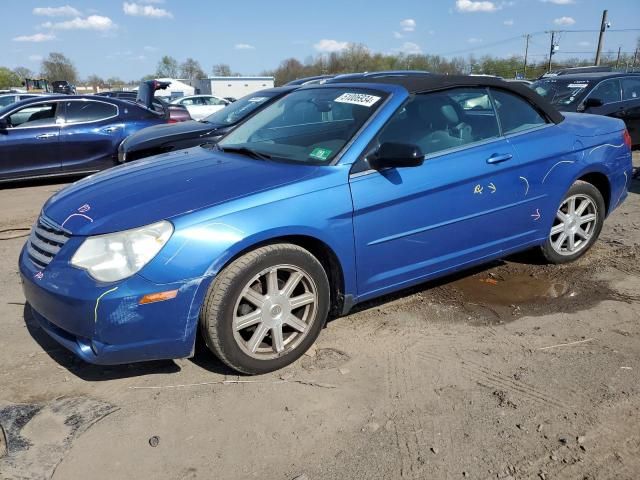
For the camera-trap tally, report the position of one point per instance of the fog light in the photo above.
(158, 297)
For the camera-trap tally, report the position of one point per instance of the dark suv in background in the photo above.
(602, 93)
(64, 87)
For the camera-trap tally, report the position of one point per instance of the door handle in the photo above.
(110, 129)
(497, 158)
(44, 136)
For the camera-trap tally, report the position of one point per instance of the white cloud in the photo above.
(397, 35)
(584, 44)
(559, 2)
(474, 40)
(244, 46)
(65, 11)
(408, 25)
(508, 23)
(411, 48)
(92, 22)
(35, 58)
(467, 6)
(149, 48)
(329, 46)
(564, 21)
(36, 37)
(137, 10)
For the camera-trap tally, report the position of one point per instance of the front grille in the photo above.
(45, 241)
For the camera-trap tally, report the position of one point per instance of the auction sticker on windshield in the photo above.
(361, 99)
(320, 153)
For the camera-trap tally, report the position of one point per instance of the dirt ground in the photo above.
(515, 370)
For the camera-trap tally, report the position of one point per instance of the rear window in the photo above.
(89, 111)
(631, 88)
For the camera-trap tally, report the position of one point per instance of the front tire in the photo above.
(266, 308)
(577, 224)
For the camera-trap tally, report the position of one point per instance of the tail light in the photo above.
(627, 138)
(172, 120)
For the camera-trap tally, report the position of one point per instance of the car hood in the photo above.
(160, 134)
(163, 187)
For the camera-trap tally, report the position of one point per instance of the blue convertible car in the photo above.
(332, 195)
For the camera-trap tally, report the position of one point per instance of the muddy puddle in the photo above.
(509, 290)
(502, 291)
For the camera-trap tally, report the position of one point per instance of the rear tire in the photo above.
(577, 224)
(266, 308)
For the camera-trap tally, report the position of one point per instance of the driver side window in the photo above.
(607, 91)
(39, 115)
(443, 120)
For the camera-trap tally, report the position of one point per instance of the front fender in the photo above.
(202, 249)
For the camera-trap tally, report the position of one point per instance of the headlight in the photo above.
(112, 257)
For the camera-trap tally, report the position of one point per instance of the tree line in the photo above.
(358, 58)
(354, 58)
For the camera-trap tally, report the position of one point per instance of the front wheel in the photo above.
(266, 308)
(577, 224)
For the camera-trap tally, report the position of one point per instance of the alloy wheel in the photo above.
(574, 225)
(275, 311)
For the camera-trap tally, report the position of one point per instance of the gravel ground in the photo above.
(514, 370)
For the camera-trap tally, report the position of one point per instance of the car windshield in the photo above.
(239, 109)
(561, 92)
(307, 126)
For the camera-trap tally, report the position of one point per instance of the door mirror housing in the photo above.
(4, 123)
(592, 103)
(396, 155)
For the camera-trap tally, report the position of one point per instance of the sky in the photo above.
(126, 39)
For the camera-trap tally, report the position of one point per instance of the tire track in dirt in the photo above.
(610, 450)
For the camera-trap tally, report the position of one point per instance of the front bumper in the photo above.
(104, 323)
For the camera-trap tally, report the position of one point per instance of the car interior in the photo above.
(34, 116)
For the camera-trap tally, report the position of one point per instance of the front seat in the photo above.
(439, 123)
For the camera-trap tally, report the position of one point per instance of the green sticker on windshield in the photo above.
(320, 153)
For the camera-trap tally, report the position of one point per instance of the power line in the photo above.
(596, 31)
(487, 45)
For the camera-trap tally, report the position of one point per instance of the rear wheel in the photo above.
(577, 224)
(266, 308)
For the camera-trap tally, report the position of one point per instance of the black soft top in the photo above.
(432, 82)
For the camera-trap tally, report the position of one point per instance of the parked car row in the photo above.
(323, 196)
(602, 93)
(53, 135)
(32, 137)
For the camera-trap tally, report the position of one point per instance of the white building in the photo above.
(175, 90)
(233, 86)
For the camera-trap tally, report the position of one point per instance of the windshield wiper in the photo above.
(245, 151)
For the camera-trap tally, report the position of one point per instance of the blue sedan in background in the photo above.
(66, 135)
(330, 196)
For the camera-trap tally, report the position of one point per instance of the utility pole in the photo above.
(526, 52)
(551, 49)
(618, 59)
(603, 27)
(635, 57)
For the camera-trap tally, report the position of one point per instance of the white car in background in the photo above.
(9, 98)
(201, 106)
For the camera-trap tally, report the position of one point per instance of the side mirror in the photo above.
(592, 103)
(396, 155)
(4, 124)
